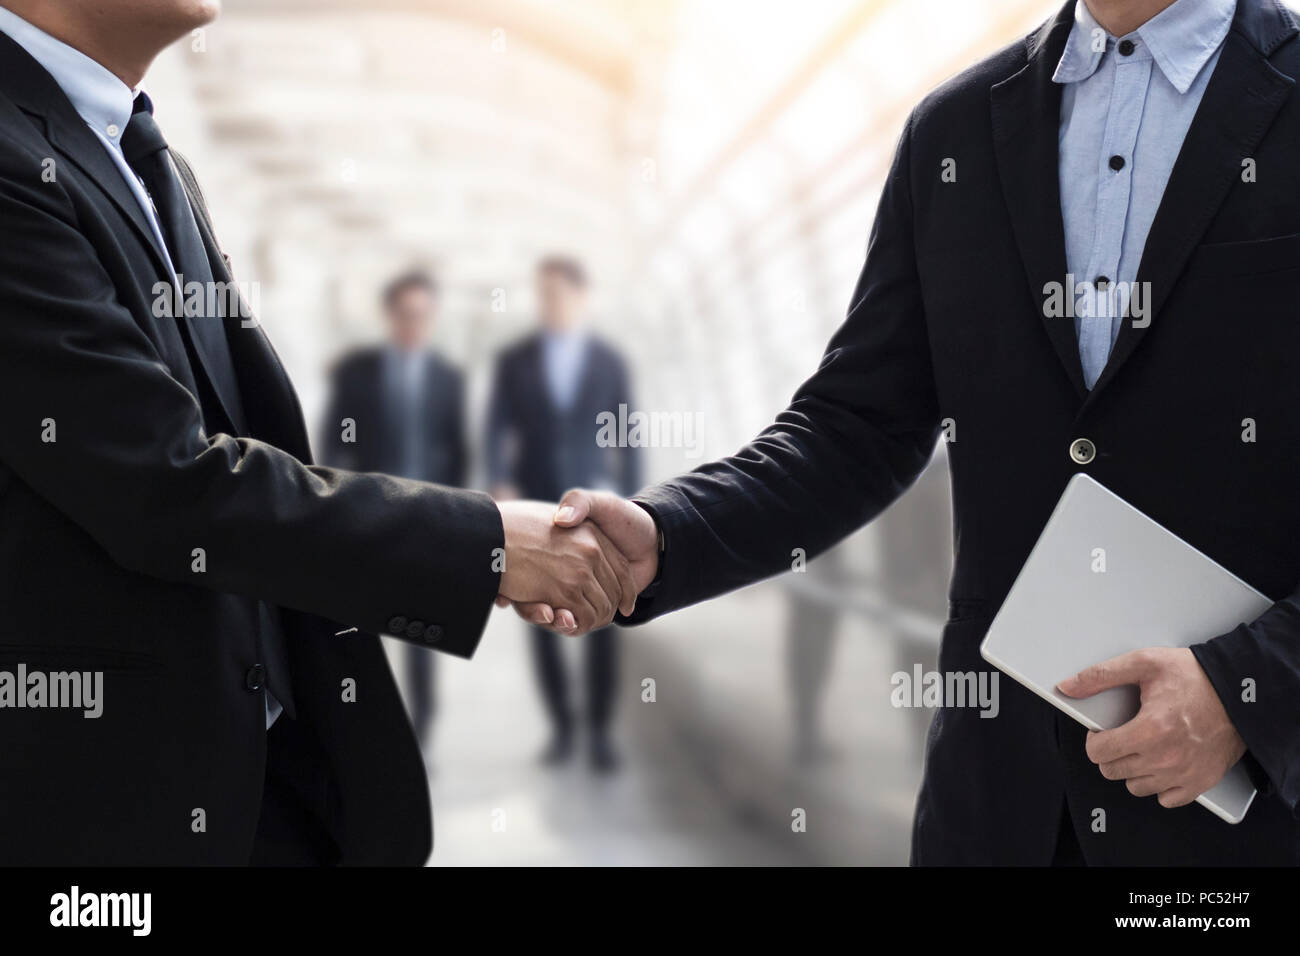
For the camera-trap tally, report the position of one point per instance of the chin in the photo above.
(204, 11)
(184, 15)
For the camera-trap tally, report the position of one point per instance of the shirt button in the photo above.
(253, 679)
(1117, 163)
(1126, 47)
(397, 625)
(112, 130)
(1082, 451)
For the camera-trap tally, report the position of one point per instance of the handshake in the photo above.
(570, 567)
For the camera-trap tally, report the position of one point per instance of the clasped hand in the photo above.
(571, 567)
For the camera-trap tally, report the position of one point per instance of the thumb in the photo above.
(1130, 668)
(573, 508)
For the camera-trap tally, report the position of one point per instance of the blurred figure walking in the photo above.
(407, 406)
(547, 392)
(814, 608)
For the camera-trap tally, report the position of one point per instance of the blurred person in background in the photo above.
(814, 606)
(407, 406)
(547, 392)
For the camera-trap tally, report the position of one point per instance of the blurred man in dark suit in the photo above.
(406, 405)
(546, 396)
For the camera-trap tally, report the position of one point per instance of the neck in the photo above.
(123, 51)
(1121, 17)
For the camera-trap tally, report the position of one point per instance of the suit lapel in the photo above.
(1240, 102)
(1026, 110)
(83, 148)
(269, 399)
(74, 140)
(36, 92)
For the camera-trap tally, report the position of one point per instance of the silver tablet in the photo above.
(1105, 579)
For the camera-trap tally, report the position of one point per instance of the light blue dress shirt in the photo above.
(1125, 110)
(404, 373)
(564, 355)
(105, 103)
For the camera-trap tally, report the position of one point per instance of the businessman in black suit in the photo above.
(400, 409)
(1188, 412)
(547, 395)
(163, 533)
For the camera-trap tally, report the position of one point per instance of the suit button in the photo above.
(433, 633)
(1082, 451)
(253, 679)
(415, 629)
(397, 625)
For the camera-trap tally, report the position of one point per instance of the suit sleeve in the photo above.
(853, 438)
(1255, 670)
(96, 425)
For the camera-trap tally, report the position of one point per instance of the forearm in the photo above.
(854, 437)
(241, 516)
(791, 493)
(362, 549)
(96, 423)
(1255, 670)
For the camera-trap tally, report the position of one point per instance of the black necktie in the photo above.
(146, 152)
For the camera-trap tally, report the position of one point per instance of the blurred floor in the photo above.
(707, 775)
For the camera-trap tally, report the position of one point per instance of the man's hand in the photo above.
(627, 526)
(576, 569)
(1181, 742)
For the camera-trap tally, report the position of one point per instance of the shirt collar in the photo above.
(1181, 40)
(99, 97)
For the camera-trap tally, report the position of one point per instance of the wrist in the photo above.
(658, 550)
(509, 532)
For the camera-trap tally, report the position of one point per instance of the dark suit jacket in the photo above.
(98, 530)
(359, 390)
(543, 450)
(948, 321)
